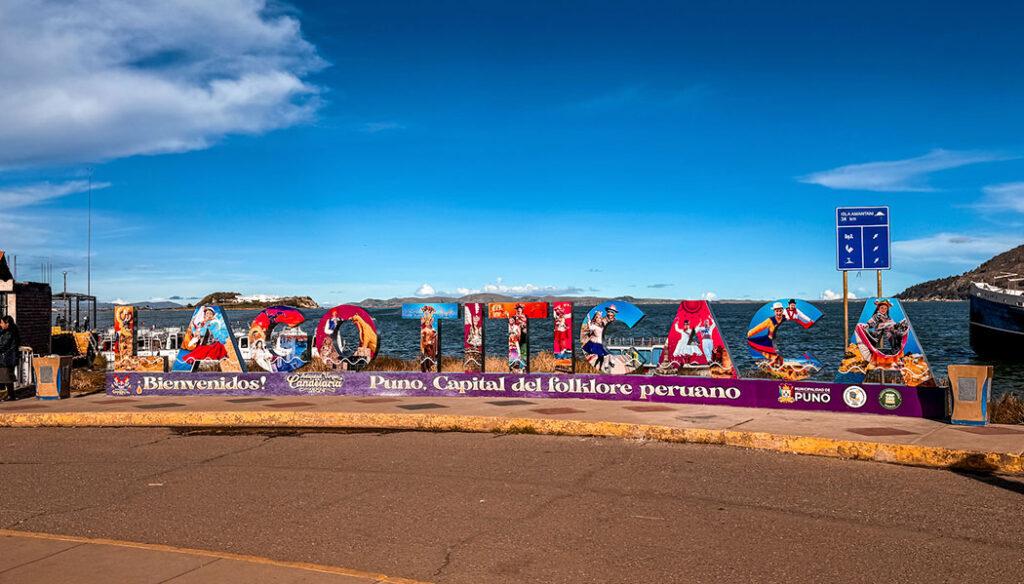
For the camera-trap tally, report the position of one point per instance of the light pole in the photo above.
(88, 261)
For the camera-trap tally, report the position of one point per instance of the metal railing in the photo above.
(637, 342)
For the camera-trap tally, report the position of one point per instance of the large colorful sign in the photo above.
(518, 315)
(208, 339)
(565, 361)
(884, 341)
(761, 338)
(430, 316)
(125, 344)
(126, 357)
(694, 345)
(333, 351)
(291, 344)
(473, 331)
(593, 336)
(762, 393)
(695, 365)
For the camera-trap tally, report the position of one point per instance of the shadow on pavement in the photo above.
(1014, 486)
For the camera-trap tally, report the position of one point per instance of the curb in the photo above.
(905, 454)
(152, 547)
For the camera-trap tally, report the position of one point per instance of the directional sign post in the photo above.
(862, 243)
(862, 238)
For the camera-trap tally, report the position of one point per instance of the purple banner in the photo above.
(754, 393)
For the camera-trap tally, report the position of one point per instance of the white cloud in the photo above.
(828, 294)
(897, 175)
(709, 296)
(500, 287)
(101, 79)
(952, 248)
(375, 127)
(26, 195)
(1003, 197)
(425, 290)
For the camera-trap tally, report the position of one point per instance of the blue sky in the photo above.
(346, 150)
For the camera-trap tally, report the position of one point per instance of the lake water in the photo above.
(942, 328)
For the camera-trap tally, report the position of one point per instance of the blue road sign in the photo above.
(862, 238)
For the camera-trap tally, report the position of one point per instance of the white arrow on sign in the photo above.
(875, 249)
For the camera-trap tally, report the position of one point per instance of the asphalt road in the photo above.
(480, 508)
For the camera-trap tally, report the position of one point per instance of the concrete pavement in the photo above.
(894, 439)
(471, 508)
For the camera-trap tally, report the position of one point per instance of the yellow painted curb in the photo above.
(930, 456)
(219, 555)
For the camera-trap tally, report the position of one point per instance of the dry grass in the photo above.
(88, 380)
(1009, 409)
(388, 363)
(316, 364)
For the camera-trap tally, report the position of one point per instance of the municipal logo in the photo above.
(790, 394)
(890, 398)
(855, 396)
(786, 394)
(121, 385)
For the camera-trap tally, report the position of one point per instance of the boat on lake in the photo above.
(997, 321)
(640, 352)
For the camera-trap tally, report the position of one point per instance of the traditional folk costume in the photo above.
(563, 340)
(762, 337)
(707, 342)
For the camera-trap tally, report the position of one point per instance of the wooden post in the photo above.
(879, 283)
(846, 308)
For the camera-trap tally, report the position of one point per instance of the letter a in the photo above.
(884, 349)
(695, 345)
(208, 338)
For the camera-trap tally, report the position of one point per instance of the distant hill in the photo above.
(145, 304)
(957, 287)
(156, 305)
(236, 300)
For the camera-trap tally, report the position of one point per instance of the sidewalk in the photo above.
(894, 439)
(55, 559)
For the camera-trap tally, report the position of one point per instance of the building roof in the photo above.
(73, 295)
